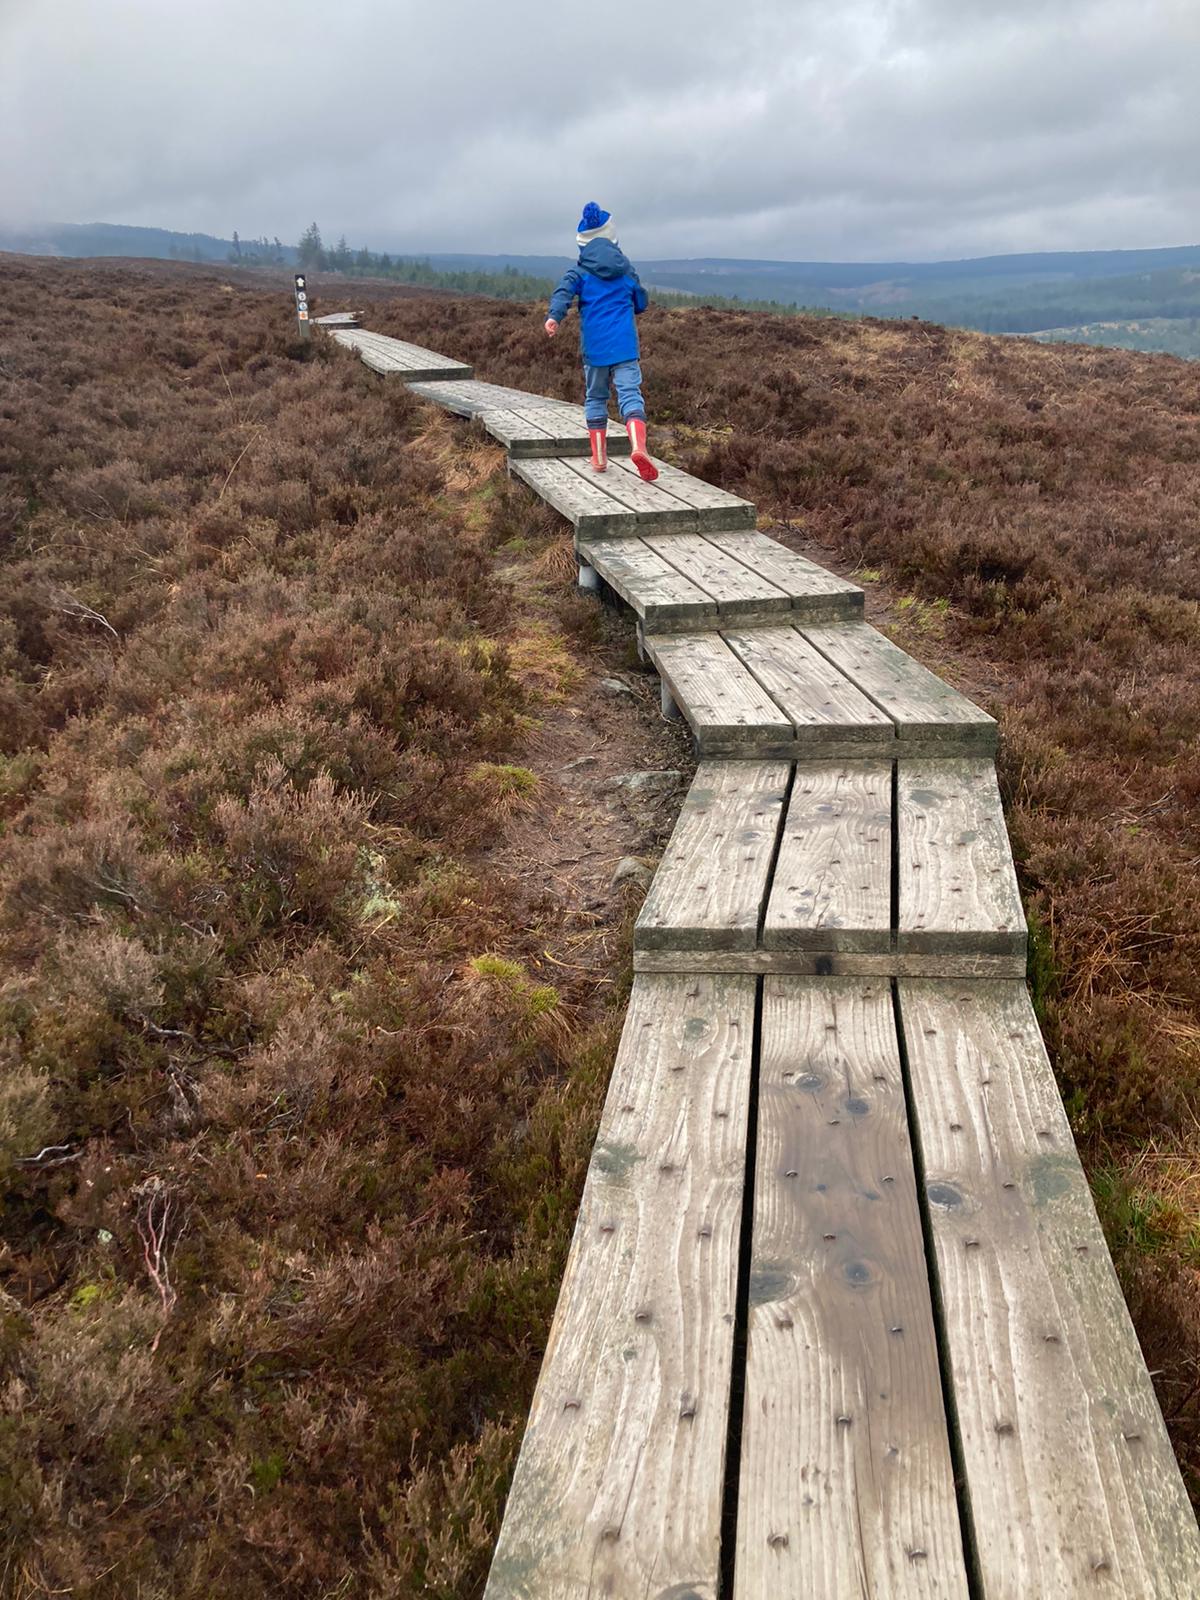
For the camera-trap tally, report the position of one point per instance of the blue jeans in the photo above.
(626, 378)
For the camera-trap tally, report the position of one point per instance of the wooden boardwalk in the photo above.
(838, 1319)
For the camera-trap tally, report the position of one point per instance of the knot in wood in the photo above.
(777, 1541)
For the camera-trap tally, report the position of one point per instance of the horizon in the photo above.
(7, 227)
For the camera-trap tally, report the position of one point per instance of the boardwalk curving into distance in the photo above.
(838, 1318)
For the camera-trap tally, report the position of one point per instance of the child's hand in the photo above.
(551, 327)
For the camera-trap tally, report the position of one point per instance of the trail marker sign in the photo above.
(302, 305)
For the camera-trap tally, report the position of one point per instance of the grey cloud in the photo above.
(873, 129)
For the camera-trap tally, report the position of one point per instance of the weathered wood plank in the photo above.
(720, 698)
(655, 590)
(387, 366)
(649, 504)
(618, 1488)
(813, 590)
(715, 507)
(593, 513)
(734, 587)
(547, 430)
(515, 431)
(832, 888)
(836, 963)
(1071, 1481)
(409, 361)
(815, 695)
(918, 702)
(957, 883)
(711, 884)
(846, 1485)
(468, 397)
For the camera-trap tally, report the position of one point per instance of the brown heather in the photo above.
(273, 1322)
(272, 1325)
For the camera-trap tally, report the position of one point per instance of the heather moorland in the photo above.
(304, 1032)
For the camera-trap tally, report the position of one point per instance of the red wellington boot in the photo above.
(637, 438)
(599, 438)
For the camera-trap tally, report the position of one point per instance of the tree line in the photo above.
(508, 283)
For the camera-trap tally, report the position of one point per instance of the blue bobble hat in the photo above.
(595, 223)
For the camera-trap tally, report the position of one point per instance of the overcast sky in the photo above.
(847, 129)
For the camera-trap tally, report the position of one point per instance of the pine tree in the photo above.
(310, 249)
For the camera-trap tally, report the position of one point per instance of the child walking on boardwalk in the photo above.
(610, 298)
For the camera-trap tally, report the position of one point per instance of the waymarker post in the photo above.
(302, 306)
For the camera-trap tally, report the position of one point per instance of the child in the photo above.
(610, 297)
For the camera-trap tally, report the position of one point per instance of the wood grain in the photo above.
(718, 695)
(619, 1483)
(832, 888)
(810, 586)
(716, 507)
(846, 1487)
(652, 507)
(1071, 1480)
(734, 587)
(657, 592)
(711, 884)
(957, 883)
(578, 497)
(817, 698)
(917, 701)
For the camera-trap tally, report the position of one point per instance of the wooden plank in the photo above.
(509, 427)
(957, 883)
(592, 512)
(846, 1485)
(1071, 1481)
(916, 699)
(654, 589)
(396, 355)
(618, 1488)
(810, 586)
(715, 507)
(832, 888)
(547, 430)
(734, 587)
(388, 366)
(467, 398)
(815, 695)
(720, 698)
(830, 963)
(711, 884)
(645, 502)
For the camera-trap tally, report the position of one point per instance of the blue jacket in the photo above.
(610, 297)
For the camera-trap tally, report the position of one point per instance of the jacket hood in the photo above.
(605, 259)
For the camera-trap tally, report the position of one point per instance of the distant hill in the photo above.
(156, 244)
(1149, 299)
(996, 294)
